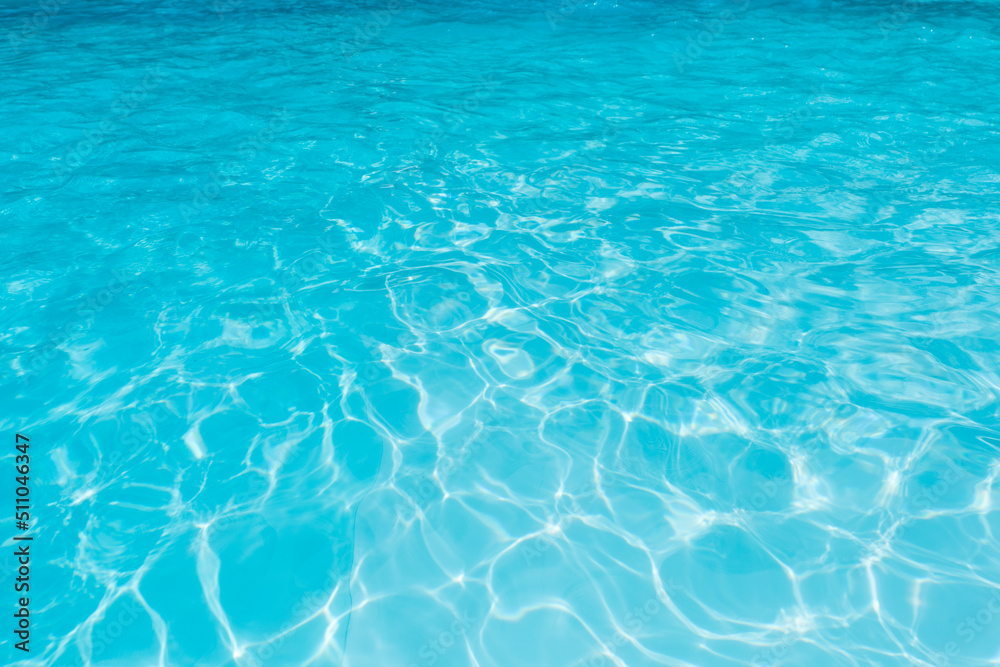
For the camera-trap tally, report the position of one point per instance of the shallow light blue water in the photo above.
(503, 333)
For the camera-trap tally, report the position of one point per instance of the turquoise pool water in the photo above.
(503, 334)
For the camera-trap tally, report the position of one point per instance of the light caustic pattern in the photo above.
(537, 334)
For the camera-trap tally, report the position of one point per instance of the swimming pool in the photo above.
(411, 333)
